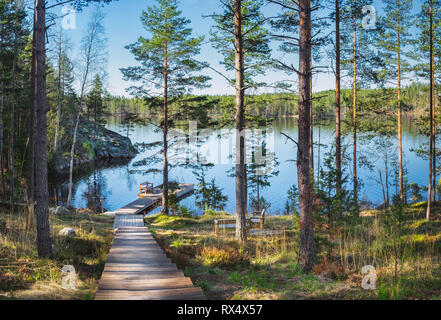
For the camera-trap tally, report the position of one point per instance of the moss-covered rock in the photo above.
(95, 143)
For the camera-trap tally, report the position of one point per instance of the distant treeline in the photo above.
(415, 99)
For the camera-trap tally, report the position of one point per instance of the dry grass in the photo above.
(407, 260)
(23, 275)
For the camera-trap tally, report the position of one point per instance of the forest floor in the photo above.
(408, 264)
(406, 256)
(25, 276)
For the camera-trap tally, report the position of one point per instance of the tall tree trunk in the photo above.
(337, 97)
(2, 102)
(165, 132)
(400, 142)
(304, 141)
(2, 159)
(12, 115)
(311, 132)
(432, 120)
(41, 192)
(354, 118)
(241, 232)
(57, 128)
(31, 129)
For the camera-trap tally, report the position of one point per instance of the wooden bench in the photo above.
(257, 218)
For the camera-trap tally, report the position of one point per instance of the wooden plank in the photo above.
(174, 294)
(108, 283)
(136, 268)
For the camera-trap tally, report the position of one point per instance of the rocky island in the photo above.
(94, 143)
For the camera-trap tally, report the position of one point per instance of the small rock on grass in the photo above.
(67, 232)
(62, 211)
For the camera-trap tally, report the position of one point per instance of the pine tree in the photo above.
(428, 50)
(395, 39)
(241, 37)
(37, 128)
(167, 63)
(361, 62)
(95, 102)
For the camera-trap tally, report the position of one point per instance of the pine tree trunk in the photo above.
(241, 232)
(2, 101)
(165, 158)
(12, 117)
(41, 190)
(311, 132)
(354, 118)
(303, 162)
(432, 120)
(57, 128)
(337, 97)
(2, 160)
(31, 150)
(400, 142)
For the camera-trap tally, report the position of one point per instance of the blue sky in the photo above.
(123, 26)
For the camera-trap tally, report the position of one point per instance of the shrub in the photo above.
(224, 257)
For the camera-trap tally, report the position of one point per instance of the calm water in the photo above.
(119, 186)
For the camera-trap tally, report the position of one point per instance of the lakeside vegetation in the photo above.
(407, 257)
(23, 275)
(415, 98)
(319, 248)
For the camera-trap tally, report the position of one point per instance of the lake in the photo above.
(119, 185)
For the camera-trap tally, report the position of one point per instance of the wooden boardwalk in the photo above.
(147, 203)
(128, 221)
(137, 269)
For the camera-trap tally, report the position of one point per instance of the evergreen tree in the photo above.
(361, 62)
(395, 40)
(168, 64)
(96, 105)
(241, 37)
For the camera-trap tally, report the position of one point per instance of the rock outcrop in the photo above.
(96, 143)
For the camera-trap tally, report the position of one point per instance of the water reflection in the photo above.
(118, 184)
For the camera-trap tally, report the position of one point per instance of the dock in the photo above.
(136, 267)
(149, 201)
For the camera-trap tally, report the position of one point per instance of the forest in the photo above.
(62, 127)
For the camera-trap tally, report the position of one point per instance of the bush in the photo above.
(224, 257)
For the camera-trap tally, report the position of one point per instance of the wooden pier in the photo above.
(136, 267)
(149, 201)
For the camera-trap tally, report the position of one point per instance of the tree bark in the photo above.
(311, 132)
(303, 162)
(337, 97)
(400, 142)
(354, 118)
(41, 192)
(2, 160)
(432, 120)
(241, 232)
(2, 101)
(165, 132)
(31, 129)
(12, 114)
(59, 95)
